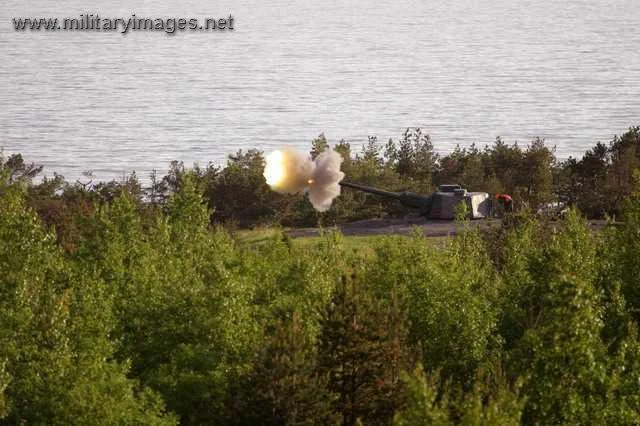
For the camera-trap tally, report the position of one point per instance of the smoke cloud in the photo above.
(289, 172)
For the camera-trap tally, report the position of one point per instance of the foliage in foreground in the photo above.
(158, 319)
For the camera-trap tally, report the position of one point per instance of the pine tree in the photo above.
(318, 146)
(356, 351)
(286, 388)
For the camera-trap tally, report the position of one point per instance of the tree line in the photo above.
(237, 194)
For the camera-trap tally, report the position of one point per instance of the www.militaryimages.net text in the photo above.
(94, 22)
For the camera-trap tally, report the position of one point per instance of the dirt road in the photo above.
(405, 226)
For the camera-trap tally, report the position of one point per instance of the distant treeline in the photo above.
(144, 315)
(237, 193)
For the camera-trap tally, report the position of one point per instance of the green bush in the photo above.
(56, 350)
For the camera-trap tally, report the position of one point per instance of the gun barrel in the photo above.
(409, 199)
(371, 190)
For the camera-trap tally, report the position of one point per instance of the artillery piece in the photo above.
(438, 205)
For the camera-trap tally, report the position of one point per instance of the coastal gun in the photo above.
(438, 205)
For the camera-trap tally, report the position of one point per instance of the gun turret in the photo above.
(439, 205)
(409, 199)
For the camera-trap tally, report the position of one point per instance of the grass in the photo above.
(362, 244)
(256, 236)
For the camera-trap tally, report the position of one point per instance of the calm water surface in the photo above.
(465, 71)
